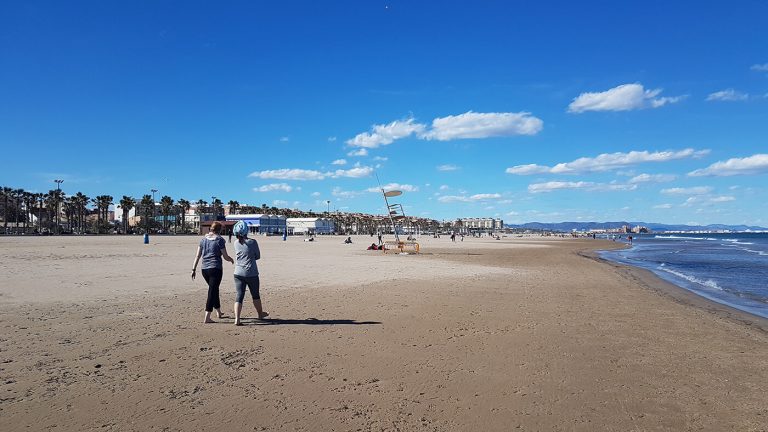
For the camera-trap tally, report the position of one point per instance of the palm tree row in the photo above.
(46, 209)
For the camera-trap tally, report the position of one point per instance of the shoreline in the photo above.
(680, 294)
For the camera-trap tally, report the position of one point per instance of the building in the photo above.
(312, 225)
(481, 224)
(261, 223)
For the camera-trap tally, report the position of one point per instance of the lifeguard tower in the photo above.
(397, 214)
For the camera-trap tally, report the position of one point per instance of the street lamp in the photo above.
(329, 206)
(58, 197)
(213, 205)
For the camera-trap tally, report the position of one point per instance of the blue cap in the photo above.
(240, 229)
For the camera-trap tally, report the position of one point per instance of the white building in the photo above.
(261, 223)
(312, 225)
(482, 224)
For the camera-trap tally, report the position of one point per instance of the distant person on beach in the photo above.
(246, 272)
(212, 248)
(348, 240)
(380, 238)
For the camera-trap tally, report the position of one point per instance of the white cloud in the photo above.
(483, 125)
(289, 174)
(280, 203)
(358, 152)
(760, 67)
(394, 186)
(315, 194)
(386, 134)
(274, 187)
(755, 164)
(339, 193)
(380, 158)
(332, 139)
(652, 178)
(339, 162)
(447, 168)
(284, 139)
(605, 162)
(697, 190)
(559, 185)
(722, 198)
(471, 198)
(302, 174)
(663, 206)
(444, 187)
(625, 97)
(728, 95)
(357, 172)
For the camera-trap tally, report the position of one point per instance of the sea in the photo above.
(728, 268)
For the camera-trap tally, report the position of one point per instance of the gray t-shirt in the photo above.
(247, 254)
(211, 251)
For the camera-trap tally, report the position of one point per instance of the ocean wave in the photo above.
(737, 241)
(709, 283)
(684, 237)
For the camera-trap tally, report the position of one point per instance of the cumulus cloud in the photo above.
(722, 198)
(302, 174)
(357, 172)
(289, 174)
(483, 125)
(315, 194)
(394, 186)
(447, 168)
(470, 198)
(462, 126)
(381, 135)
(339, 162)
(728, 95)
(760, 67)
(663, 206)
(625, 97)
(652, 178)
(557, 185)
(606, 162)
(755, 164)
(282, 187)
(340, 193)
(590, 186)
(697, 190)
(358, 152)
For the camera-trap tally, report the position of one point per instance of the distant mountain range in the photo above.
(586, 226)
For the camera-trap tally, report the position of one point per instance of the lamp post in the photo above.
(329, 206)
(58, 197)
(154, 209)
(213, 205)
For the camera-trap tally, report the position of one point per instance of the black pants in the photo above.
(213, 278)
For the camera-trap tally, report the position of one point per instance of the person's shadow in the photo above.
(308, 321)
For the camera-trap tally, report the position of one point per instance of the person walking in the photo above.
(211, 249)
(246, 272)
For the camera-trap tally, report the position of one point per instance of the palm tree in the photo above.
(233, 206)
(6, 191)
(105, 202)
(185, 206)
(29, 204)
(81, 201)
(126, 204)
(166, 203)
(147, 205)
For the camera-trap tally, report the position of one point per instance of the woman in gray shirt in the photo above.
(246, 271)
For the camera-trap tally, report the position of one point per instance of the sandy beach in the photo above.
(105, 333)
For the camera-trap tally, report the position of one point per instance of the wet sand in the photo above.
(518, 334)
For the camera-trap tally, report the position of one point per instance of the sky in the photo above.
(546, 111)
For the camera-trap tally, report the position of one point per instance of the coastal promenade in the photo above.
(522, 333)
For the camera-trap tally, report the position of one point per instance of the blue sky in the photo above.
(553, 111)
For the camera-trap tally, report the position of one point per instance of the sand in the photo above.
(105, 333)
